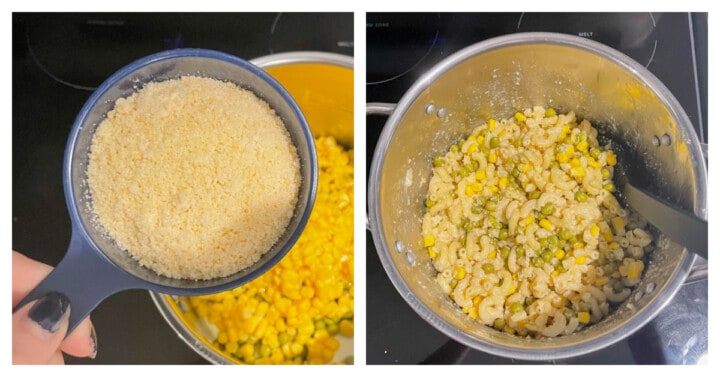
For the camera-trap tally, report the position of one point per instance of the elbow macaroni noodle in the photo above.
(523, 227)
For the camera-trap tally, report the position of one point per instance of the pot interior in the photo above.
(623, 101)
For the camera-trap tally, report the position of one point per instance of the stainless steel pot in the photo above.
(495, 78)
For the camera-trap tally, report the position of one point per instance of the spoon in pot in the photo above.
(679, 225)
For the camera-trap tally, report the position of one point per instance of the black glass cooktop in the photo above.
(401, 47)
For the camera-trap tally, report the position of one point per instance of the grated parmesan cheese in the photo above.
(194, 177)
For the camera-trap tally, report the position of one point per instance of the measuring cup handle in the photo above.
(85, 277)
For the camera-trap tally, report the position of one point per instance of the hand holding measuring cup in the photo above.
(39, 328)
(95, 266)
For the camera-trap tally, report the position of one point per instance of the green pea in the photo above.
(504, 252)
(503, 234)
(609, 268)
(429, 203)
(543, 242)
(494, 142)
(560, 268)
(609, 187)
(565, 234)
(573, 240)
(499, 324)
(518, 143)
(515, 172)
(529, 300)
(438, 161)
(490, 205)
(595, 153)
(553, 240)
(581, 196)
(618, 286)
(538, 262)
(605, 172)
(547, 255)
(534, 194)
(548, 209)
(454, 148)
(488, 268)
(464, 172)
(483, 132)
(554, 164)
(520, 250)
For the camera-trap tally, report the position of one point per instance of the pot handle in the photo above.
(377, 108)
(699, 269)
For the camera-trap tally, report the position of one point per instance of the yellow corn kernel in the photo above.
(593, 163)
(492, 157)
(493, 188)
(473, 313)
(634, 269)
(503, 182)
(492, 123)
(618, 224)
(607, 236)
(511, 289)
(472, 149)
(469, 191)
(555, 273)
(559, 254)
(611, 158)
(575, 162)
(347, 327)
(546, 224)
(492, 254)
(520, 117)
(231, 347)
(480, 175)
(613, 245)
(565, 129)
(582, 146)
(525, 168)
(577, 172)
(580, 260)
(594, 230)
(562, 158)
(459, 272)
(429, 240)
(431, 252)
(550, 112)
(470, 138)
(527, 220)
(584, 317)
(477, 187)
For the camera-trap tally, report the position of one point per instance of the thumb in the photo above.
(39, 329)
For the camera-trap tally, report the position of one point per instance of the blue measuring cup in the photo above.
(94, 266)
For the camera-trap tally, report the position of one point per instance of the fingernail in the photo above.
(50, 311)
(93, 341)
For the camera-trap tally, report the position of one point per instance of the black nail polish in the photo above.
(50, 311)
(93, 341)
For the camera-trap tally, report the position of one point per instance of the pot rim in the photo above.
(596, 48)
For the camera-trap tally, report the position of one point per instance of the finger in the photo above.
(56, 359)
(39, 328)
(82, 342)
(27, 273)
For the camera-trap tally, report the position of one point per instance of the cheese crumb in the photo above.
(196, 178)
